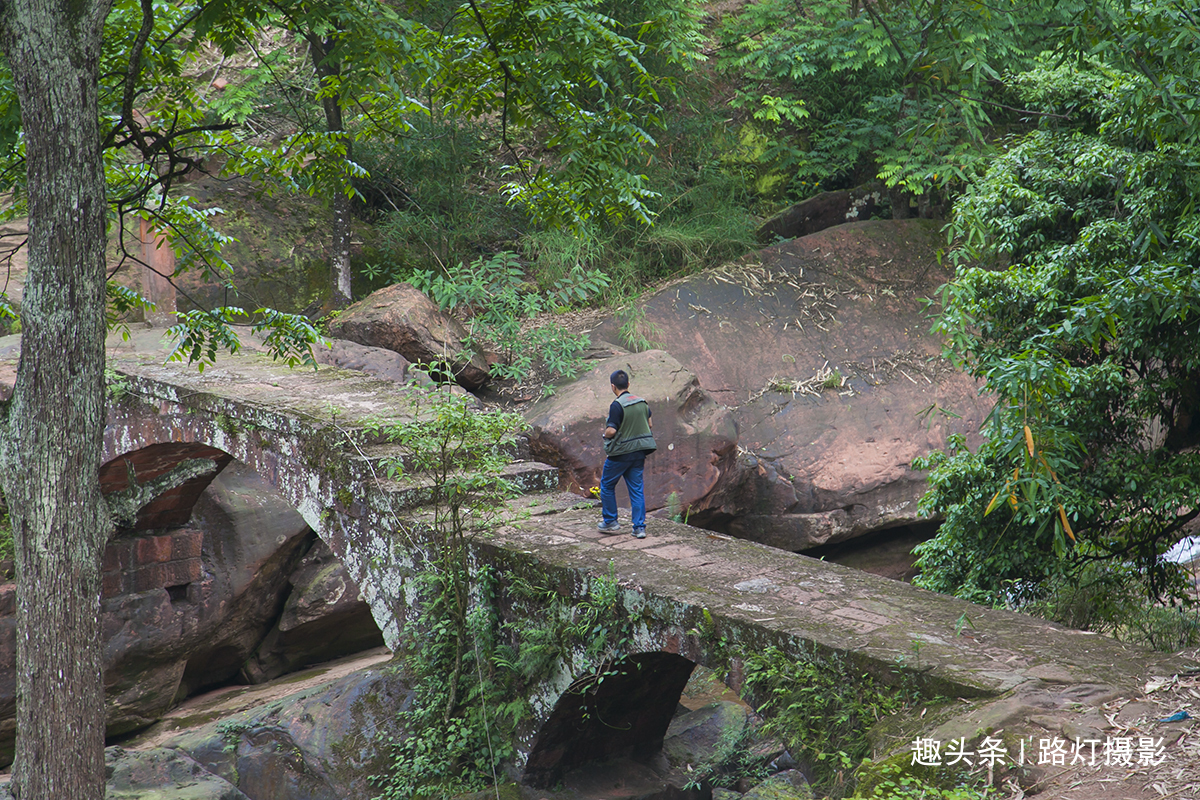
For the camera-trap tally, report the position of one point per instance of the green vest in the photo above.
(634, 433)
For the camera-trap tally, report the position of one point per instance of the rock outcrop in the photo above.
(323, 744)
(377, 361)
(789, 785)
(822, 347)
(323, 618)
(162, 773)
(198, 638)
(696, 436)
(696, 736)
(822, 211)
(401, 319)
(242, 592)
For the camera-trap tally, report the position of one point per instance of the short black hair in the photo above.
(619, 379)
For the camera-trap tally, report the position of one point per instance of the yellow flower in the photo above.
(595, 491)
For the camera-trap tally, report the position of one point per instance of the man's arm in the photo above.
(616, 415)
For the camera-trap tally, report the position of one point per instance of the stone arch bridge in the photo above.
(698, 597)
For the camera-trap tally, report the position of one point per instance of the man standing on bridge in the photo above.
(627, 441)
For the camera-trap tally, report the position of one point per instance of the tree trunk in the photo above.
(51, 444)
(328, 69)
(340, 259)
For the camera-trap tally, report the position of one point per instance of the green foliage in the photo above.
(471, 666)
(502, 305)
(436, 191)
(1089, 340)
(701, 217)
(733, 760)
(821, 709)
(564, 69)
(636, 331)
(460, 454)
(1110, 599)
(906, 92)
(460, 732)
(147, 50)
(435, 194)
(892, 782)
(201, 335)
(116, 385)
(232, 731)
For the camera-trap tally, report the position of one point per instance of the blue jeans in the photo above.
(633, 472)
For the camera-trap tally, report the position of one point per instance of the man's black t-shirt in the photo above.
(616, 415)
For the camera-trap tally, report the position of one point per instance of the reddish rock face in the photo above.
(822, 345)
(324, 617)
(376, 361)
(696, 436)
(172, 508)
(401, 319)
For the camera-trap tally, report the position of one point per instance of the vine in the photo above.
(821, 709)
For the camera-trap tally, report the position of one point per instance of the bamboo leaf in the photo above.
(1062, 515)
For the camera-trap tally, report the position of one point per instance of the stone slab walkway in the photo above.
(966, 649)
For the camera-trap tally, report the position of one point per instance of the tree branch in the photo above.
(131, 77)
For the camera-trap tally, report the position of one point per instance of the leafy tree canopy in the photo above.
(563, 68)
(908, 91)
(1081, 313)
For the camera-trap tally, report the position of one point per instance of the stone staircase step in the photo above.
(525, 506)
(375, 458)
(527, 476)
(542, 504)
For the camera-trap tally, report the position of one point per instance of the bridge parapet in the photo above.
(715, 600)
(319, 437)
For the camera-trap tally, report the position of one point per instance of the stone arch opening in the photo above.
(172, 508)
(220, 581)
(624, 710)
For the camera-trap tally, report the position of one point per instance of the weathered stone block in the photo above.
(152, 549)
(117, 555)
(186, 544)
(112, 584)
(160, 576)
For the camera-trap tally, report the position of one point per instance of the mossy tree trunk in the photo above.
(50, 444)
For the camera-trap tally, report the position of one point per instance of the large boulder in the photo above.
(400, 318)
(696, 436)
(161, 645)
(321, 744)
(162, 774)
(823, 346)
(376, 361)
(822, 211)
(789, 785)
(323, 618)
(696, 737)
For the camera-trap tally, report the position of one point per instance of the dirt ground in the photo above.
(1177, 775)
